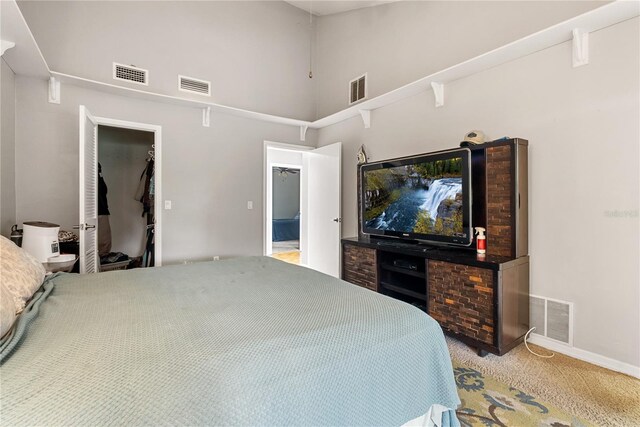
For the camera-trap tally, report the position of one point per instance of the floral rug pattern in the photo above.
(488, 402)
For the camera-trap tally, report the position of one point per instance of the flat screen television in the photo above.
(425, 198)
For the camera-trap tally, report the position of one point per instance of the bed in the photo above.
(285, 229)
(246, 341)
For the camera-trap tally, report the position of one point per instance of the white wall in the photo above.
(7, 149)
(286, 195)
(583, 126)
(208, 173)
(255, 53)
(122, 153)
(400, 42)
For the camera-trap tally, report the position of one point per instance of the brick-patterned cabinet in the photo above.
(485, 307)
(461, 299)
(481, 300)
(360, 266)
(500, 191)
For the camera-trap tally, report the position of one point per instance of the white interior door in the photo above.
(89, 262)
(322, 222)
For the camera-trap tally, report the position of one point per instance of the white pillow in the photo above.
(20, 273)
(7, 310)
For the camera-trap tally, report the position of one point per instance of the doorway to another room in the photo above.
(285, 230)
(126, 191)
(316, 172)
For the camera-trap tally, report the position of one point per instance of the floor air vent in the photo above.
(358, 89)
(552, 318)
(189, 84)
(130, 73)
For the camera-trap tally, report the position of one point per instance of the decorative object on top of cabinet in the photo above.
(362, 155)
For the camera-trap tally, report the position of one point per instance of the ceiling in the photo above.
(329, 7)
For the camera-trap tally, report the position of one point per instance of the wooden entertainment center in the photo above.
(483, 300)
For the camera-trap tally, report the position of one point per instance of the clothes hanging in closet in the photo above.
(146, 190)
(145, 195)
(104, 227)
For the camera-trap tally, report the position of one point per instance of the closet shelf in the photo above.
(26, 59)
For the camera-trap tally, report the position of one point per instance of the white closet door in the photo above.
(89, 262)
(323, 168)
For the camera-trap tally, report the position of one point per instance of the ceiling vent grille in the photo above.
(191, 85)
(358, 89)
(130, 73)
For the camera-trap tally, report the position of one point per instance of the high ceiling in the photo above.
(329, 7)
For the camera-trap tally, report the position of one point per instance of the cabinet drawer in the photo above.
(360, 267)
(461, 299)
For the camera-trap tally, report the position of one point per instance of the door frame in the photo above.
(157, 180)
(267, 186)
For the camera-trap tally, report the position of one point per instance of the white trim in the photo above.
(157, 164)
(584, 355)
(180, 77)
(175, 100)
(594, 20)
(580, 47)
(26, 58)
(5, 45)
(366, 89)
(146, 74)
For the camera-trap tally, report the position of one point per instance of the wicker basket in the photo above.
(120, 265)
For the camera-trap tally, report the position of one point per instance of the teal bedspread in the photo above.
(248, 341)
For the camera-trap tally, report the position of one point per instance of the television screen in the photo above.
(425, 197)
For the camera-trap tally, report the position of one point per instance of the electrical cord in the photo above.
(526, 336)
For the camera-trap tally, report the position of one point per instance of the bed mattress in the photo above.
(247, 341)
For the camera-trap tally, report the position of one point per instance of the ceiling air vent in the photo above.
(189, 84)
(357, 89)
(130, 73)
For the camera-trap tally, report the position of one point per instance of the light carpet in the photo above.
(592, 393)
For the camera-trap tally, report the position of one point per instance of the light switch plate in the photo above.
(167, 205)
(249, 204)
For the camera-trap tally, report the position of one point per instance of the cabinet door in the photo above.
(461, 299)
(360, 267)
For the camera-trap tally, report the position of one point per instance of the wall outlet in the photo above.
(216, 258)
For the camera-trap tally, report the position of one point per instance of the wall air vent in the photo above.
(552, 318)
(189, 84)
(130, 73)
(358, 89)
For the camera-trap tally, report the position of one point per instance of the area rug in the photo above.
(488, 402)
(598, 395)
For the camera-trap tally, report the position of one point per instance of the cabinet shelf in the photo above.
(395, 269)
(403, 291)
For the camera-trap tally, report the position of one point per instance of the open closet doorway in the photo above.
(120, 194)
(319, 210)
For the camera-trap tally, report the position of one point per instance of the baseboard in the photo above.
(584, 355)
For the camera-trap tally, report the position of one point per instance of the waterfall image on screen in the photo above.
(424, 198)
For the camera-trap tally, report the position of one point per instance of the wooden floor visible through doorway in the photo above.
(292, 257)
(288, 251)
